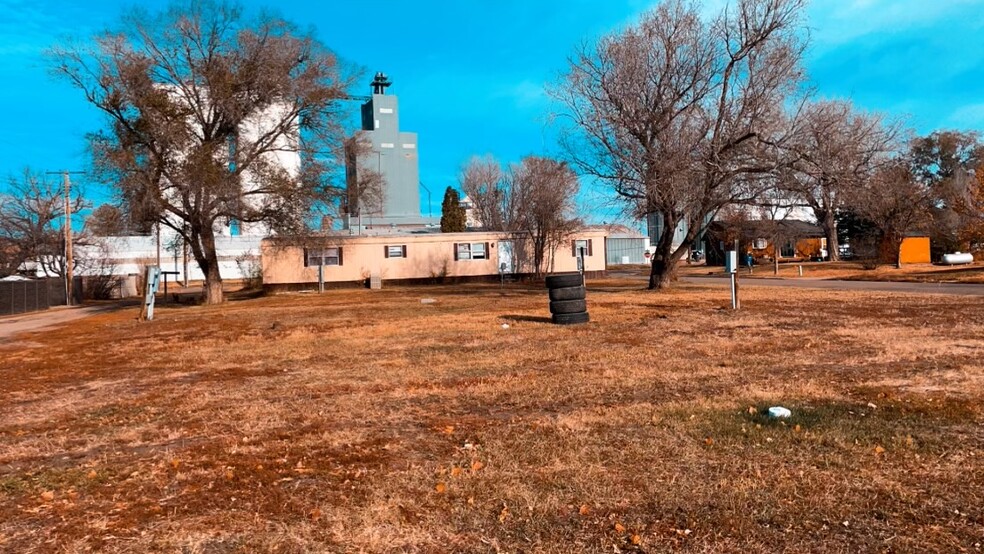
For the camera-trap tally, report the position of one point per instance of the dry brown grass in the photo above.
(365, 421)
(853, 271)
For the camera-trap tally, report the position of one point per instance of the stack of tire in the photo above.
(567, 303)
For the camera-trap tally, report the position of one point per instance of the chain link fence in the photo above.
(18, 297)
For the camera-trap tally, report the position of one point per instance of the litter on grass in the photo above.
(778, 412)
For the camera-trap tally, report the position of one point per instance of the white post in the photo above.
(731, 266)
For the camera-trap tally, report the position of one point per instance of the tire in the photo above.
(571, 319)
(567, 293)
(563, 280)
(568, 307)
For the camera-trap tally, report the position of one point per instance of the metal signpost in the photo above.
(153, 283)
(731, 267)
(580, 262)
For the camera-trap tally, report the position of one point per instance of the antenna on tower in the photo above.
(380, 82)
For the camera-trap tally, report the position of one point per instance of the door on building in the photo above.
(507, 256)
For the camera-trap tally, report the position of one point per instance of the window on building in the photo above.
(395, 251)
(471, 251)
(314, 257)
(577, 245)
(788, 249)
(760, 244)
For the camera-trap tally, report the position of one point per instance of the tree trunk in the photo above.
(665, 258)
(661, 274)
(898, 252)
(212, 289)
(829, 225)
(208, 260)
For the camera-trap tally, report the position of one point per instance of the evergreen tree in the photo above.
(452, 214)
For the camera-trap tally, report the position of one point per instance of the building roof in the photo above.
(763, 228)
(617, 231)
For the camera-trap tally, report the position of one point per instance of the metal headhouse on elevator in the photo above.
(380, 82)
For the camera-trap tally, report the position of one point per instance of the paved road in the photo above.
(11, 326)
(963, 289)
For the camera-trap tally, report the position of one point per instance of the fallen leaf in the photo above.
(584, 510)
(879, 449)
(92, 474)
(48, 496)
(476, 465)
(636, 539)
(315, 514)
(752, 410)
(471, 500)
(708, 441)
(440, 487)
(175, 463)
(797, 428)
(619, 527)
(503, 514)
(455, 471)
(449, 430)
(229, 474)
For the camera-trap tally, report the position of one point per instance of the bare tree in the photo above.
(972, 209)
(484, 182)
(534, 198)
(107, 220)
(895, 203)
(945, 161)
(32, 228)
(209, 115)
(366, 186)
(836, 149)
(683, 115)
(773, 211)
(543, 194)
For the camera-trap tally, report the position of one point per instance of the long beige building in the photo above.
(418, 257)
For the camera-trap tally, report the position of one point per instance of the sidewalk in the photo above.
(34, 321)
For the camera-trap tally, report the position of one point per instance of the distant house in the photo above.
(793, 240)
(625, 246)
(789, 240)
(422, 256)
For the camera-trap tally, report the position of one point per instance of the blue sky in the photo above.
(470, 74)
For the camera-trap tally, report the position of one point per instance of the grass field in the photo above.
(853, 271)
(367, 421)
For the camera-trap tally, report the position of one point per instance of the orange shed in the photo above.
(915, 250)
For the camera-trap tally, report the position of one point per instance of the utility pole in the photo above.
(429, 215)
(69, 258)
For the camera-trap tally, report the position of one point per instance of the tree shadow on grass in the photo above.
(529, 318)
